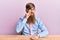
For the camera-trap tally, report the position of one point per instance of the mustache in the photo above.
(31, 12)
(31, 16)
(31, 19)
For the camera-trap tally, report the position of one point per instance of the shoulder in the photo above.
(38, 19)
(21, 18)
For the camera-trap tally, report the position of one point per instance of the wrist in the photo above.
(38, 35)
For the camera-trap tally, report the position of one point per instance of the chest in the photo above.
(31, 26)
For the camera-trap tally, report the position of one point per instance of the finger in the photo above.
(29, 11)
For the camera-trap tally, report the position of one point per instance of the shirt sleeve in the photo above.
(44, 31)
(20, 24)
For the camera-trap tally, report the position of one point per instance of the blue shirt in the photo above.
(24, 27)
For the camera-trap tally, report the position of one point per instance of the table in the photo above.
(22, 37)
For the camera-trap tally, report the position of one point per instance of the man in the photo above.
(29, 24)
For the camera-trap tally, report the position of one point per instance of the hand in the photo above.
(33, 37)
(28, 14)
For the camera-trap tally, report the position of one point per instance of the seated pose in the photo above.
(29, 24)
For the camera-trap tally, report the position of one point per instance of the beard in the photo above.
(31, 19)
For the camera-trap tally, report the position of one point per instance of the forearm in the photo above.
(43, 34)
(20, 25)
